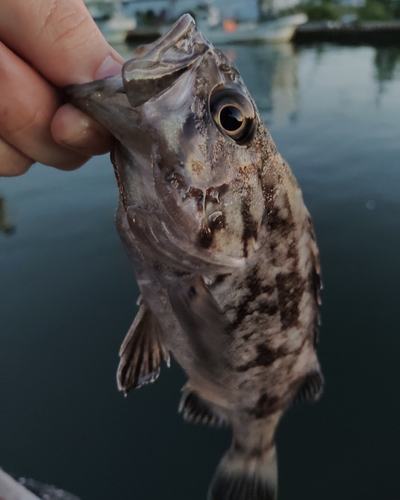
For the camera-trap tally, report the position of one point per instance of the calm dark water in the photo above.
(67, 298)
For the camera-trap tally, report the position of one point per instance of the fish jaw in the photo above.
(154, 68)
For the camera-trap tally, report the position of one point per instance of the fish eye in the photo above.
(231, 118)
(233, 114)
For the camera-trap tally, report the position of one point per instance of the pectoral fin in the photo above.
(141, 352)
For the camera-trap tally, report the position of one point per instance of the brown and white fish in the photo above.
(223, 248)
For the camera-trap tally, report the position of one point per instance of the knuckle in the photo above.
(13, 162)
(30, 123)
(21, 169)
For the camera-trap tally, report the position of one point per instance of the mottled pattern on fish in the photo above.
(223, 248)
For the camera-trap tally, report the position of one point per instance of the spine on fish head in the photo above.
(244, 474)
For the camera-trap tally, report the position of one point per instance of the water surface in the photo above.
(68, 297)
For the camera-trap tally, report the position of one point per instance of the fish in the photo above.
(222, 245)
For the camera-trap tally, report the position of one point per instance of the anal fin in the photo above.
(141, 352)
(194, 409)
(311, 388)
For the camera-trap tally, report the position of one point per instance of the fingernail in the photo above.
(84, 137)
(74, 129)
(109, 67)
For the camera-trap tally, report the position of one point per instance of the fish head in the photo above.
(188, 136)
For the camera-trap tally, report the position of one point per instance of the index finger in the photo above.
(59, 38)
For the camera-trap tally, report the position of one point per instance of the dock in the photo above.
(367, 32)
(143, 34)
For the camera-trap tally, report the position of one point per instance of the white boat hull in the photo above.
(274, 31)
(116, 29)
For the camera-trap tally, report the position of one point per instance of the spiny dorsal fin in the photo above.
(197, 411)
(311, 388)
(141, 352)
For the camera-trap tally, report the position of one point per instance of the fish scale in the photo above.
(223, 248)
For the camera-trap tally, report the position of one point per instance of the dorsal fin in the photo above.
(311, 388)
(141, 352)
(194, 409)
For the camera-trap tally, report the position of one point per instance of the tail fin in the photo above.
(244, 476)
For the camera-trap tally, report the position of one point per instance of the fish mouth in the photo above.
(154, 68)
(159, 64)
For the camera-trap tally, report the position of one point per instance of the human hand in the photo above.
(46, 45)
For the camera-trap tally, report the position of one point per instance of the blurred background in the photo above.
(68, 293)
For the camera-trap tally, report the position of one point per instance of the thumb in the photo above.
(59, 38)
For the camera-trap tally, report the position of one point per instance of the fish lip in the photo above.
(151, 54)
(107, 87)
(159, 64)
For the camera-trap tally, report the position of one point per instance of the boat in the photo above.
(225, 24)
(276, 30)
(116, 29)
(214, 24)
(100, 11)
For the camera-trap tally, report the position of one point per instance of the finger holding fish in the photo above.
(59, 39)
(26, 112)
(43, 47)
